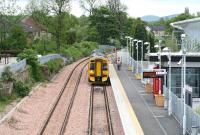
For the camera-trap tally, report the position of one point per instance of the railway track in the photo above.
(65, 88)
(99, 112)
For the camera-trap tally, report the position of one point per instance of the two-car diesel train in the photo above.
(98, 70)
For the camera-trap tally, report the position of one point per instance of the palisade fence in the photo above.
(192, 118)
(20, 66)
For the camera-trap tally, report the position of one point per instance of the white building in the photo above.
(191, 28)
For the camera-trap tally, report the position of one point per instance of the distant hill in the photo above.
(150, 18)
(153, 18)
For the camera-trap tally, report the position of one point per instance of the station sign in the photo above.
(154, 73)
(149, 75)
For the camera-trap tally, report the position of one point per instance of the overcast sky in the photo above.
(138, 8)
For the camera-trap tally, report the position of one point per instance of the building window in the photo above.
(192, 79)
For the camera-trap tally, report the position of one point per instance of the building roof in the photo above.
(180, 24)
(175, 56)
(157, 28)
(30, 25)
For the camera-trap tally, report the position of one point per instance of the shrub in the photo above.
(32, 60)
(54, 65)
(7, 75)
(78, 50)
(22, 89)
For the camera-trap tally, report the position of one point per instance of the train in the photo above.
(98, 70)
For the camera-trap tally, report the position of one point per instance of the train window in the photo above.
(104, 67)
(92, 66)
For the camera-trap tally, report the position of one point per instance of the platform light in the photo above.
(166, 49)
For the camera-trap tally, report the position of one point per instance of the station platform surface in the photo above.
(152, 119)
(129, 120)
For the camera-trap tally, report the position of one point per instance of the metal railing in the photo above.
(49, 57)
(192, 118)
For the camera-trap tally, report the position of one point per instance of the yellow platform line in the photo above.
(133, 116)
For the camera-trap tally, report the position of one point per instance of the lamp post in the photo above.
(132, 45)
(166, 49)
(128, 49)
(137, 57)
(183, 75)
(159, 57)
(141, 62)
(148, 52)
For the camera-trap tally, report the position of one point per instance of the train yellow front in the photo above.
(98, 70)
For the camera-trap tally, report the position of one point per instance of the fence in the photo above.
(192, 118)
(14, 67)
(130, 61)
(47, 58)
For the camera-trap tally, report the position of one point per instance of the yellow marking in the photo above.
(98, 68)
(135, 121)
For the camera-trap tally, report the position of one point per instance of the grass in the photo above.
(5, 101)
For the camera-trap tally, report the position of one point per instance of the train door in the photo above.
(98, 68)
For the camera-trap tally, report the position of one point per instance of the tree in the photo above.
(115, 6)
(104, 22)
(7, 8)
(58, 8)
(187, 11)
(89, 5)
(17, 38)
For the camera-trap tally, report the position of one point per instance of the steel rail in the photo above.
(58, 98)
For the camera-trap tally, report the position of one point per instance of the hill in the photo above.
(153, 18)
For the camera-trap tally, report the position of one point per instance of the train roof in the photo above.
(98, 57)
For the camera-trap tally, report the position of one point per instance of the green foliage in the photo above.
(6, 100)
(17, 39)
(105, 24)
(21, 88)
(78, 50)
(32, 60)
(172, 44)
(44, 46)
(54, 65)
(7, 75)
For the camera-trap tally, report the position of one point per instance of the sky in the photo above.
(138, 8)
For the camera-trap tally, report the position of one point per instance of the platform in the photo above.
(151, 119)
(129, 120)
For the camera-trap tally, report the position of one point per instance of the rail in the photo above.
(107, 108)
(41, 132)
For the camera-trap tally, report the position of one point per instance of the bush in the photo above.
(32, 60)
(44, 46)
(78, 50)
(54, 65)
(22, 89)
(7, 75)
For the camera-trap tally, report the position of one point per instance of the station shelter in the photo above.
(192, 72)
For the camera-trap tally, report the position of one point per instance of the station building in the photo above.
(191, 28)
(192, 72)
